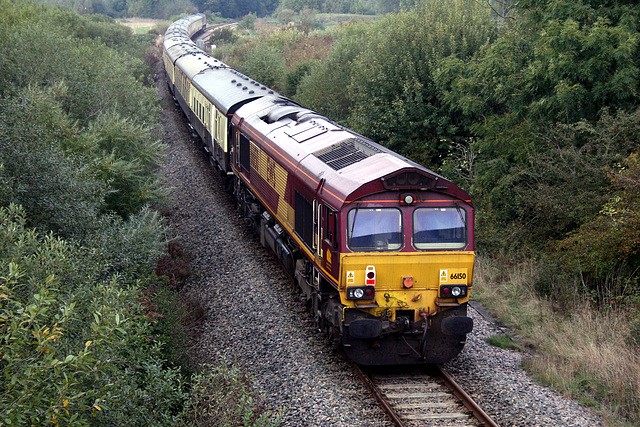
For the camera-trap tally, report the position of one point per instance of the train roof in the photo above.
(179, 47)
(228, 89)
(180, 32)
(196, 61)
(187, 24)
(338, 161)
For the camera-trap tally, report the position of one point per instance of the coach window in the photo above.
(440, 228)
(374, 229)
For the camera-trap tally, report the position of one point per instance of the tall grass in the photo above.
(583, 352)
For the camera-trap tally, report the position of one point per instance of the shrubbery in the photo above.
(78, 243)
(82, 334)
(75, 347)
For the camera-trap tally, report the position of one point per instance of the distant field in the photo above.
(344, 17)
(139, 25)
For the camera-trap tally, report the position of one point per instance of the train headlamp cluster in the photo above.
(364, 292)
(360, 292)
(453, 291)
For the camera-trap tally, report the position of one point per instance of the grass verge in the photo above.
(587, 354)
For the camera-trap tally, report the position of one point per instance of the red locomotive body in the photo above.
(382, 248)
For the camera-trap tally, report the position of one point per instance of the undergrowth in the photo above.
(586, 352)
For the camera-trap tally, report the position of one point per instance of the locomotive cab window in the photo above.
(374, 229)
(440, 228)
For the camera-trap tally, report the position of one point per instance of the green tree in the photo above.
(605, 248)
(324, 88)
(266, 65)
(556, 62)
(393, 87)
(299, 5)
(248, 22)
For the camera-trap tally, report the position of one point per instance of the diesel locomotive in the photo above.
(381, 247)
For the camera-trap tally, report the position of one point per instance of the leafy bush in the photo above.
(99, 78)
(605, 249)
(248, 22)
(57, 189)
(75, 349)
(223, 35)
(128, 248)
(266, 65)
(76, 343)
(323, 88)
(127, 156)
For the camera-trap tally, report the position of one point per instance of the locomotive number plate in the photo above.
(454, 276)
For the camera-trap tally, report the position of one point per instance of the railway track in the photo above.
(424, 397)
(206, 33)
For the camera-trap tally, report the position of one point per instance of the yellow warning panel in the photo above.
(454, 276)
(444, 276)
(351, 277)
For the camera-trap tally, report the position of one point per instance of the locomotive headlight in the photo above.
(453, 291)
(407, 199)
(361, 292)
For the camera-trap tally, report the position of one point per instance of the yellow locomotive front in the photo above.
(406, 272)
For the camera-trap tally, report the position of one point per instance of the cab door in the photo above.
(329, 242)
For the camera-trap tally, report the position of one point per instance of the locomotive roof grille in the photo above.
(346, 153)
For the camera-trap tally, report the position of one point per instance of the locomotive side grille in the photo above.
(346, 153)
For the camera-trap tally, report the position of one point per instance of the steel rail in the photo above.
(466, 400)
(393, 416)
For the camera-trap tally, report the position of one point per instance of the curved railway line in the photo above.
(210, 28)
(423, 397)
